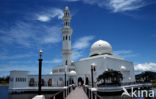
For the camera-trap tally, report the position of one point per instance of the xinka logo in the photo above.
(138, 93)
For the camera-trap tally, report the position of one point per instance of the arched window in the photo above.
(42, 82)
(66, 23)
(50, 82)
(66, 62)
(66, 37)
(32, 82)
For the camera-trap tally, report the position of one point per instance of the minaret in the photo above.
(66, 36)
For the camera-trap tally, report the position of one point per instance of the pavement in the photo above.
(78, 93)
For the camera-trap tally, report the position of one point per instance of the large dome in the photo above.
(100, 48)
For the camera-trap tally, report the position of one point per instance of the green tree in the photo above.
(110, 77)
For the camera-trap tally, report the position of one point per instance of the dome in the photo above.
(72, 72)
(100, 48)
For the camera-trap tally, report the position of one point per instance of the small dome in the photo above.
(72, 72)
(123, 68)
(100, 48)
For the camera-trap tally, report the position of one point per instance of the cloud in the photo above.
(125, 5)
(116, 5)
(77, 54)
(53, 61)
(125, 53)
(145, 67)
(72, 0)
(79, 47)
(83, 42)
(28, 34)
(19, 56)
(53, 34)
(49, 14)
(33, 69)
(43, 18)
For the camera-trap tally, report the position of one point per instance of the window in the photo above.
(66, 23)
(61, 70)
(55, 71)
(66, 37)
(66, 62)
(20, 79)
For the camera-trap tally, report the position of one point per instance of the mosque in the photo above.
(101, 58)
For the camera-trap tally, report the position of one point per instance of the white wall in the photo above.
(14, 75)
(83, 67)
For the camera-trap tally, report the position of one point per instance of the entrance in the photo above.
(80, 81)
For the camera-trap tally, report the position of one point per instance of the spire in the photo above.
(67, 17)
(66, 8)
(66, 37)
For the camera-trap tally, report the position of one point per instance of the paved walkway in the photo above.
(78, 93)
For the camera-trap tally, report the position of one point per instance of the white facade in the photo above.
(101, 54)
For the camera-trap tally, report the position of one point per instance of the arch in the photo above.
(87, 81)
(94, 55)
(32, 82)
(42, 82)
(66, 14)
(80, 81)
(66, 37)
(66, 62)
(50, 82)
(60, 81)
(66, 23)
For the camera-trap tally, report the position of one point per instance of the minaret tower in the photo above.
(66, 33)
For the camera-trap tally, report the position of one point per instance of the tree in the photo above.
(147, 76)
(110, 77)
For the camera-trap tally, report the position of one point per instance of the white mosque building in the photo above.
(101, 57)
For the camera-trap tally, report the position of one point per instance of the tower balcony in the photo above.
(66, 51)
(67, 18)
(67, 29)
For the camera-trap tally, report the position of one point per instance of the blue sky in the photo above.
(26, 26)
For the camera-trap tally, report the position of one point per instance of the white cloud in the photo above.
(33, 69)
(116, 5)
(18, 56)
(49, 14)
(145, 67)
(28, 34)
(53, 35)
(125, 5)
(43, 18)
(125, 53)
(77, 54)
(79, 47)
(53, 61)
(83, 42)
